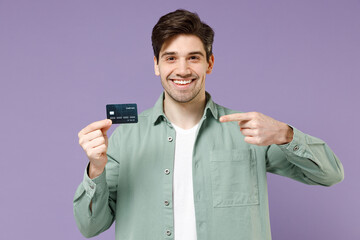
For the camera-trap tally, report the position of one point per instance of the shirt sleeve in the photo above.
(101, 193)
(306, 159)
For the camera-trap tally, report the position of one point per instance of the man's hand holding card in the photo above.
(94, 140)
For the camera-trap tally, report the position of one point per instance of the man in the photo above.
(191, 169)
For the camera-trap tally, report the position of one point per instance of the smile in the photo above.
(182, 81)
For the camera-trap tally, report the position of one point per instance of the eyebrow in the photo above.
(167, 53)
(175, 53)
(196, 53)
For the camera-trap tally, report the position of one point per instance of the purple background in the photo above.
(62, 61)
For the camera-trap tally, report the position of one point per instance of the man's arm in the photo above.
(306, 159)
(100, 194)
(95, 199)
(290, 153)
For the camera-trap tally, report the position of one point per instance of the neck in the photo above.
(185, 115)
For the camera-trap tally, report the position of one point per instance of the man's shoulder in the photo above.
(146, 114)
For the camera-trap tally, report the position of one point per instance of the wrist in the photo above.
(287, 134)
(94, 171)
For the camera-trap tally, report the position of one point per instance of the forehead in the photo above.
(183, 44)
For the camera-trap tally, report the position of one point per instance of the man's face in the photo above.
(183, 67)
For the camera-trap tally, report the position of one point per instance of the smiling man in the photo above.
(190, 168)
(182, 67)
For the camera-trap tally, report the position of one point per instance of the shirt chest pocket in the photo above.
(234, 178)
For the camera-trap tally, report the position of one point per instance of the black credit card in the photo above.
(122, 113)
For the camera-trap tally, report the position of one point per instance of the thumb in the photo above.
(107, 127)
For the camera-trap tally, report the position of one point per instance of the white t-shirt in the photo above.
(184, 210)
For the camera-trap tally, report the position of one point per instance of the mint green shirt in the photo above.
(229, 179)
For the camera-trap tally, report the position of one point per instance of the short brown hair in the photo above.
(181, 22)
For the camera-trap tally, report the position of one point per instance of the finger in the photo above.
(246, 124)
(96, 142)
(97, 152)
(87, 145)
(236, 117)
(251, 140)
(101, 149)
(90, 136)
(248, 132)
(105, 129)
(106, 123)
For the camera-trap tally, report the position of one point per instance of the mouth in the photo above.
(183, 82)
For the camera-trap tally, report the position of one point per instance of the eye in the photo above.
(194, 58)
(170, 59)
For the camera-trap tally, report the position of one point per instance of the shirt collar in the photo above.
(159, 115)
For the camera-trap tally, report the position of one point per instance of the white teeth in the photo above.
(182, 82)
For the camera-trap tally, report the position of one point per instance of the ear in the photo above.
(156, 67)
(211, 64)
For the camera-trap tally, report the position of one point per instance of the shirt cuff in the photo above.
(298, 144)
(96, 185)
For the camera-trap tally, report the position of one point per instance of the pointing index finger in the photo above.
(236, 117)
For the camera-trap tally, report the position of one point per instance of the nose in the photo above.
(183, 69)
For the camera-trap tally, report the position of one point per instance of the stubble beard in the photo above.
(182, 98)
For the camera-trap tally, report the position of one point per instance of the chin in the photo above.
(183, 98)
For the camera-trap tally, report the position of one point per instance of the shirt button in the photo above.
(296, 148)
(92, 186)
(170, 139)
(166, 203)
(167, 171)
(168, 232)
